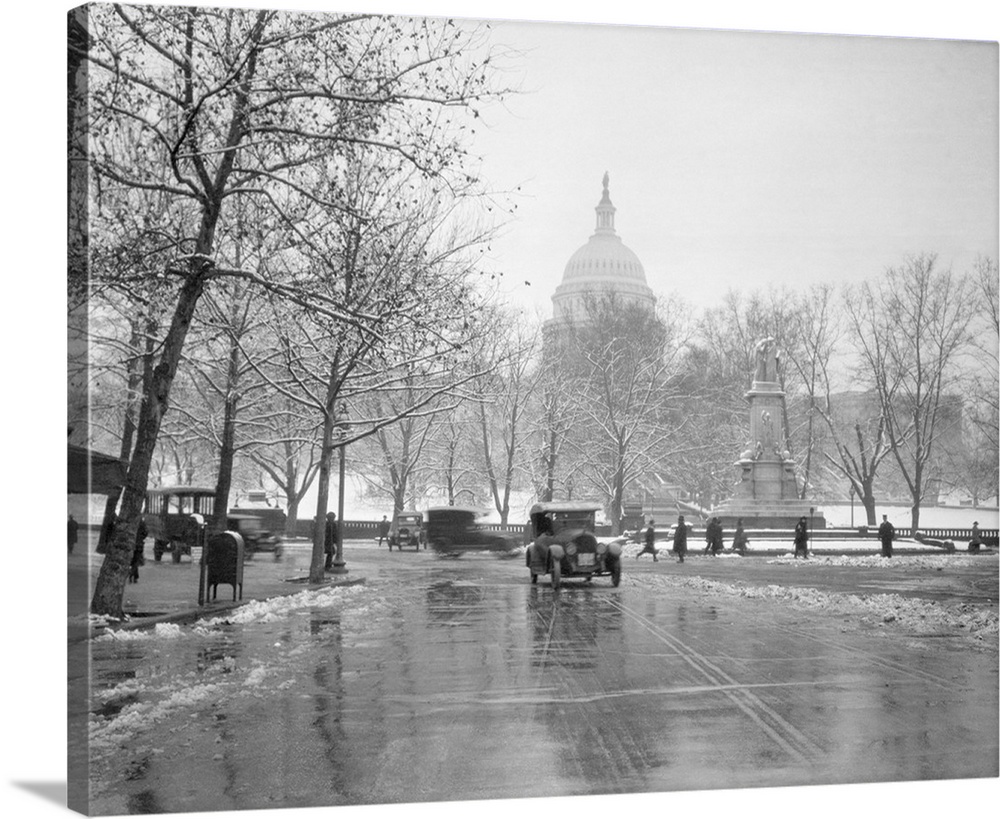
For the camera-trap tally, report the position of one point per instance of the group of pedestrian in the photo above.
(713, 537)
(679, 541)
(714, 543)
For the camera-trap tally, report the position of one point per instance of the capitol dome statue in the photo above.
(604, 264)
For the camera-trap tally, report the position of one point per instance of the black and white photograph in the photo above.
(508, 407)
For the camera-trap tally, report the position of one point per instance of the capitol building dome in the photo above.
(604, 264)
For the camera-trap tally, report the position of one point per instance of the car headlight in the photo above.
(571, 549)
(601, 548)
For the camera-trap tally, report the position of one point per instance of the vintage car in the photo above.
(563, 544)
(256, 503)
(255, 537)
(406, 530)
(452, 530)
(175, 517)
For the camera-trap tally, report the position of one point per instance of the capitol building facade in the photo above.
(605, 265)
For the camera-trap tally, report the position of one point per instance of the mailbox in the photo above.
(221, 562)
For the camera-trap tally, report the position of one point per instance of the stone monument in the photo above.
(766, 492)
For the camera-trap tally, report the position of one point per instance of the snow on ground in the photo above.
(908, 613)
(161, 631)
(109, 734)
(135, 706)
(275, 608)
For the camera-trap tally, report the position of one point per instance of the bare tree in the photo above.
(502, 405)
(910, 329)
(207, 105)
(626, 366)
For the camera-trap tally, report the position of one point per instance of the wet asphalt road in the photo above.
(457, 679)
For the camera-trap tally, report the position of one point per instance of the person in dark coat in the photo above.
(383, 530)
(740, 539)
(649, 548)
(715, 544)
(974, 544)
(330, 539)
(802, 538)
(887, 534)
(73, 532)
(138, 559)
(680, 539)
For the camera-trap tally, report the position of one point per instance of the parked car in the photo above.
(255, 537)
(406, 530)
(175, 517)
(563, 544)
(452, 530)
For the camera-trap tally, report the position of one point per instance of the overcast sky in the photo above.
(740, 159)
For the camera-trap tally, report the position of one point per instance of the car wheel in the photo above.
(556, 575)
(616, 573)
(175, 555)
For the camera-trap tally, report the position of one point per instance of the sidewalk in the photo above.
(168, 591)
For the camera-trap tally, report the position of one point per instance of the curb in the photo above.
(191, 615)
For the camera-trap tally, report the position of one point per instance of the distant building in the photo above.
(605, 264)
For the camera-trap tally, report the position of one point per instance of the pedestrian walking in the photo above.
(680, 539)
(713, 536)
(73, 532)
(887, 534)
(740, 539)
(330, 539)
(138, 559)
(383, 530)
(802, 538)
(649, 548)
(977, 539)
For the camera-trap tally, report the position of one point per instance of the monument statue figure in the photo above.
(766, 356)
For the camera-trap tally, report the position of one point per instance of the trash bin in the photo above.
(221, 563)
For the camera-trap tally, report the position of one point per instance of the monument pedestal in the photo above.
(766, 493)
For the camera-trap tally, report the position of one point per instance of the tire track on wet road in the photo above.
(875, 659)
(789, 738)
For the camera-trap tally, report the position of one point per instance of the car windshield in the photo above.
(574, 520)
(408, 519)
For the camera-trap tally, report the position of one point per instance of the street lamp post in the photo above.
(339, 565)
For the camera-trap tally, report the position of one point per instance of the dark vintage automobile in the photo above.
(175, 517)
(255, 537)
(452, 530)
(256, 503)
(406, 530)
(563, 544)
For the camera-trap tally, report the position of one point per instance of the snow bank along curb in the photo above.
(959, 618)
(100, 624)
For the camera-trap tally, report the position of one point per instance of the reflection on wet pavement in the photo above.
(445, 680)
